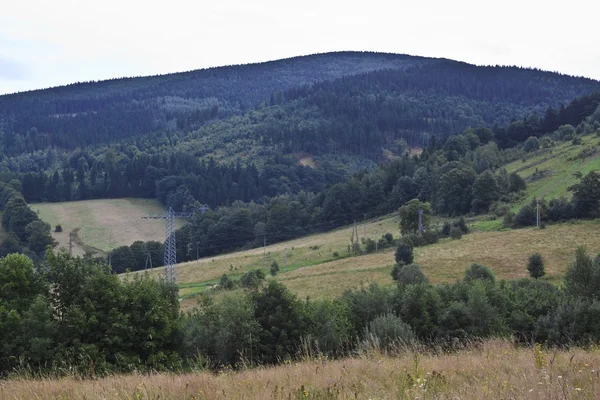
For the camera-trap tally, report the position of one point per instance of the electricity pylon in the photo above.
(170, 245)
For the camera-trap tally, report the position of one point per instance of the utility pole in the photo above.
(197, 244)
(170, 245)
(149, 261)
(420, 212)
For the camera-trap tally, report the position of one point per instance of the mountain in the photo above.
(342, 93)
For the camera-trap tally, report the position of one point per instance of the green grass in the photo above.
(321, 275)
(558, 166)
(104, 224)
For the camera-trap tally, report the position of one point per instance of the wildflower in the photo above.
(578, 389)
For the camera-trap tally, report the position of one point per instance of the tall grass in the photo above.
(491, 370)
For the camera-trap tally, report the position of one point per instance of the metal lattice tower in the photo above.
(170, 244)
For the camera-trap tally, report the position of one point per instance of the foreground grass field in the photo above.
(102, 225)
(494, 370)
(313, 271)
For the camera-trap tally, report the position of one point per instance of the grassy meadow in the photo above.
(313, 271)
(549, 172)
(101, 225)
(492, 370)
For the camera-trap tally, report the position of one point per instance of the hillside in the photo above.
(313, 269)
(549, 172)
(102, 225)
(324, 87)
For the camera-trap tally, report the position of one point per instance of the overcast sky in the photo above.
(47, 43)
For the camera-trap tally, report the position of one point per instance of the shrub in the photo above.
(446, 228)
(369, 244)
(479, 272)
(526, 216)
(560, 209)
(250, 280)
(388, 331)
(416, 240)
(582, 278)
(389, 238)
(58, 228)
(404, 253)
(576, 140)
(260, 274)
(535, 266)
(456, 233)
(461, 224)
(430, 237)
(336, 254)
(409, 274)
(509, 219)
(532, 143)
(274, 268)
(226, 283)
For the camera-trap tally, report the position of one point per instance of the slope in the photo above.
(549, 172)
(102, 225)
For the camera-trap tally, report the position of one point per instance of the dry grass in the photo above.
(104, 224)
(505, 252)
(309, 250)
(494, 370)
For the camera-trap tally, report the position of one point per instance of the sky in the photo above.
(49, 43)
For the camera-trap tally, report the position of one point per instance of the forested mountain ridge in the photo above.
(87, 113)
(439, 95)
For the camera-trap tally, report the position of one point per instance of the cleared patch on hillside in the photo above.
(103, 224)
(549, 172)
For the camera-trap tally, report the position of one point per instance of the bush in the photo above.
(388, 331)
(446, 228)
(260, 274)
(535, 266)
(431, 237)
(250, 280)
(274, 268)
(369, 244)
(479, 272)
(509, 219)
(226, 283)
(409, 274)
(336, 254)
(532, 143)
(456, 233)
(58, 228)
(526, 216)
(416, 240)
(404, 253)
(461, 224)
(560, 209)
(576, 140)
(389, 238)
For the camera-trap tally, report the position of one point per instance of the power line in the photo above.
(170, 247)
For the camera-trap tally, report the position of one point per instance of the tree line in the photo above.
(77, 316)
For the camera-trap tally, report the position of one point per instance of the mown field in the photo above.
(102, 225)
(493, 370)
